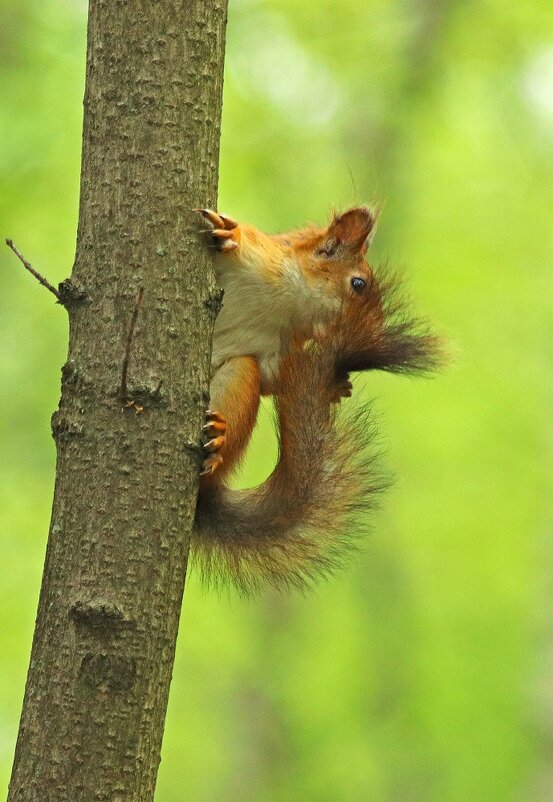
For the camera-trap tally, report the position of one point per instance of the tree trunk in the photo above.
(127, 457)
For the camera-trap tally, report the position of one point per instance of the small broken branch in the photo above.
(28, 266)
(126, 359)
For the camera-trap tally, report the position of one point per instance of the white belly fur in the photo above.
(259, 315)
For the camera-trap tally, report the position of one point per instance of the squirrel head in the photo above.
(374, 329)
(347, 241)
(336, 257)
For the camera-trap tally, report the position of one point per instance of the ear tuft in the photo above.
(354, 228)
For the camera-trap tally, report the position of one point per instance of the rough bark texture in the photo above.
(126, 481)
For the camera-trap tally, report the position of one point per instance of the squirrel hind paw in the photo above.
(215, 429)
(215, 424)
(211, 463)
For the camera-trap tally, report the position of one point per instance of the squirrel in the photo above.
(301, 311)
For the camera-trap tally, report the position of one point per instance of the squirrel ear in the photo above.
(355, 228)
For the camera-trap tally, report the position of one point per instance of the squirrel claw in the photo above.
(212, 217)
(214, 444)
(211, 464)
(220, 233)
(222, 241)
(228, 222)
(213, 417)
(223, 229)
(227, 245)
(217, 219)
(214, 428)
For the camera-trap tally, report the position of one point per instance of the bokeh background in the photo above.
(424, 672)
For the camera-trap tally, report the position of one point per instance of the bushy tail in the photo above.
(298, 524)
(302, 521)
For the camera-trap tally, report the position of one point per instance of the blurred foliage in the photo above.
(423, 673)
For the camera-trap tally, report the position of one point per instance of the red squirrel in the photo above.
(300, 312)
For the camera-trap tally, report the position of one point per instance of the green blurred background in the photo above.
(423, 673)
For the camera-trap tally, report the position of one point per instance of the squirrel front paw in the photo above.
(224, 231)
(343, 389)
(215, 429)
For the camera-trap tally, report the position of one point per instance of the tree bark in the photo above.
(127, 459)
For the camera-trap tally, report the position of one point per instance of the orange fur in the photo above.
(235, 392)
(301, 310)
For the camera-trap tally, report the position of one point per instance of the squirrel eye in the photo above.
(358, 283)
